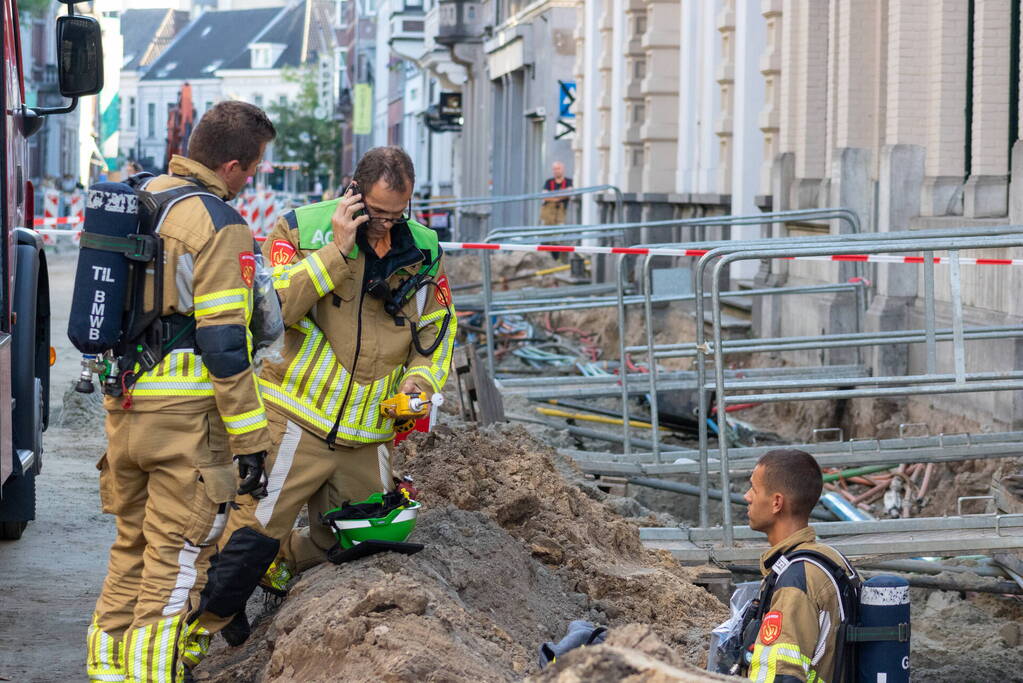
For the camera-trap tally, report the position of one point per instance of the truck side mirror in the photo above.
(79, 55)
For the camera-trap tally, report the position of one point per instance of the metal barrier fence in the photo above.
(929, 383)
(578, 232)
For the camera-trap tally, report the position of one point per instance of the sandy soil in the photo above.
(514, 552)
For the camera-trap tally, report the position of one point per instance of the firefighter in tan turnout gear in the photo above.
(369, 314)
(168, 474)
(797, 638)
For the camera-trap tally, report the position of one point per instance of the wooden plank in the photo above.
(486, 395)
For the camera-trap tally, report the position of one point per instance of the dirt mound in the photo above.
(504, 473)
(632, 653)
(965, 640)
(513, 553)
(82, 411)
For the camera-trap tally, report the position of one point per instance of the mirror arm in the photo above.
(48, 111)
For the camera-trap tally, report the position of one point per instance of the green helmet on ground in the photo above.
(381, 517)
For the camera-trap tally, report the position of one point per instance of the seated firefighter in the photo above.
(369, 314)
(797, 639)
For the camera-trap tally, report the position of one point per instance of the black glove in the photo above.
(252, 474)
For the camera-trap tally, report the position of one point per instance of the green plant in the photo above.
(315, 141)
(36, 7)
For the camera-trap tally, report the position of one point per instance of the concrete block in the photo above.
(657, 211)
(942, 196)
(888, 313)
(1016, 185)
(774, 273)
(805, 193)
(900, 182)
(986, 196)
(852, 188)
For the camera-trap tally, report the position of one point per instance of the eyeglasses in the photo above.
(391, 222)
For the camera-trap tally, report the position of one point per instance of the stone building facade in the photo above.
(906, 111)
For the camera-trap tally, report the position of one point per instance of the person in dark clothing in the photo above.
(554, 209)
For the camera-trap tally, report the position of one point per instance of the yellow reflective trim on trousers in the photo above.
(245, 422)
(105, 661)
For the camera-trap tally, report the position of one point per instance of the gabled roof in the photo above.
(211, 42)
(286, 29)
(146, 32)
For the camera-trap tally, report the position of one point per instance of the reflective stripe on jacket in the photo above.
(799, 643)
(343, 354)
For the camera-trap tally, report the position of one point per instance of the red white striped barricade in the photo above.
(51, 211)
(77, 212)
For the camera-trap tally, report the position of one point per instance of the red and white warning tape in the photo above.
(561, 249)
(862, 258)
(67, 220)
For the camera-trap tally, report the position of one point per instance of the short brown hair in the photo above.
(390, 164)
(794, 474)
(230, 131)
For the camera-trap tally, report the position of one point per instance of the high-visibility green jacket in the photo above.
(342, 353)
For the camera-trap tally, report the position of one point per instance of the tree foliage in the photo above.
(302, 136)
(36, 7)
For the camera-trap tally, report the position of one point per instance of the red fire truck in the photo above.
(25, 352)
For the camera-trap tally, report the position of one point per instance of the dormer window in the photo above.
(261, 58)
(265, 55)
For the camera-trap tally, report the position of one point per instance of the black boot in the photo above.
(237, 630)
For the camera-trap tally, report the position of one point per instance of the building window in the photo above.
(209, 105)
(260, 58)
(132, 114)
(638, 113)
(639, 69)
(151, 119)
(258, 101)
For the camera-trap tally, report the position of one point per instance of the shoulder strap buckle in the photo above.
(869, 634)
(140, 248)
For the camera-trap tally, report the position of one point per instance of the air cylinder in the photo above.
(884, 601)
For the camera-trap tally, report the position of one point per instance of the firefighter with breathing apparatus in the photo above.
(810, 618)
(369, 315)
(164, 305)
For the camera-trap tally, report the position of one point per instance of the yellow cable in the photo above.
(594, 418)
(550, 271)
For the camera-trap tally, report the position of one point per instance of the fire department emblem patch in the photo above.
(771, 628)
(443, 291)
(281, 253)
(247, 262)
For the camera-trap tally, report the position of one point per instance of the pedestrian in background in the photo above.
(167, 473)
(554, 209)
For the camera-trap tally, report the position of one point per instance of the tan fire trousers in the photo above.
(302, 468)
(168, 478)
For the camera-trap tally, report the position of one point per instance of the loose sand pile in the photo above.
(514, 552)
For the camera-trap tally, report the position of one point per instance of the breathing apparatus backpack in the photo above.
(873, 637)
(115, 318)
